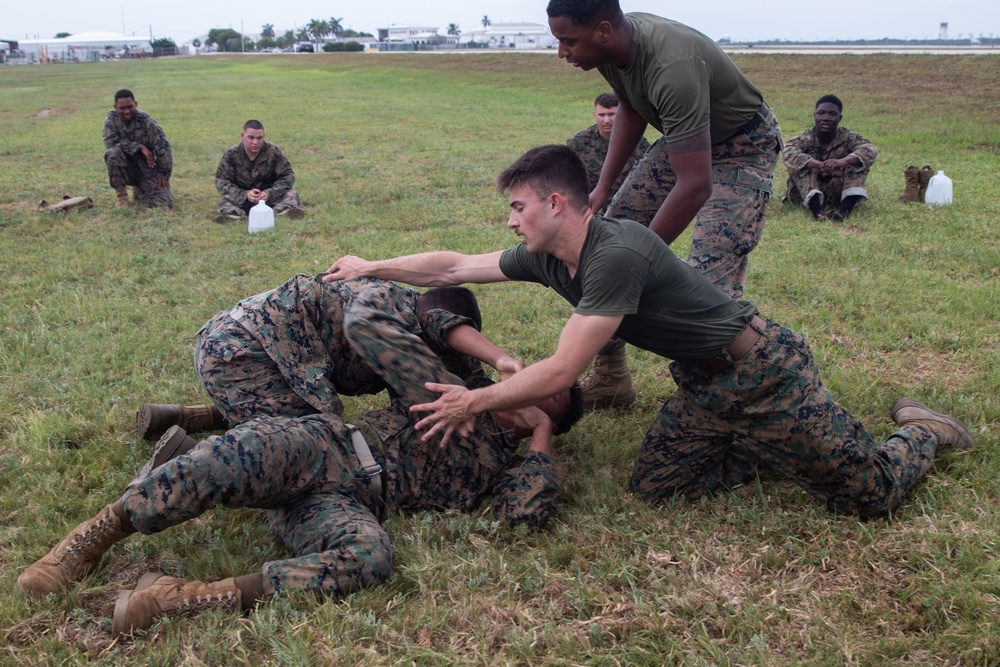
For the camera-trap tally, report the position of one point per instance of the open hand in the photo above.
(450, 413)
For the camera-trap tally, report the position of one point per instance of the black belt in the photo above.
(733, 352)
(754, 122)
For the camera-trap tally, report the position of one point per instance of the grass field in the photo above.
(397, 154)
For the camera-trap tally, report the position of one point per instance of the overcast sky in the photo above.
(182, 20)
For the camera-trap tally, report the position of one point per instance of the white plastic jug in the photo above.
(938, 190)
(261, 218)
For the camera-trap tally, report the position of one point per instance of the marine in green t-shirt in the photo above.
(714, 163)
(747, 389)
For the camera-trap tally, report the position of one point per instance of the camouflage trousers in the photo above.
(132, 170)
(831, 189)
(229, 206)
(306, 474)
(772, 404)
(729, 225)
(241, 380)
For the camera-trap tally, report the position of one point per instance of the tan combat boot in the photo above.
(609, 383)
(925, 175)
(76, 555)
(946, 429)
(121, 197)
(157, 595)
(175, 442)
(153, 419)
(912, 191)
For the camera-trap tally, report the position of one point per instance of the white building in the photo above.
(512, 36)
(408, 34)
(84, 47)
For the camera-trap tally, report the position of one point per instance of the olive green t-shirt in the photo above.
(681, 82)
(625, 269)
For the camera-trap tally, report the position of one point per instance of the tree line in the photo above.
(315, 31)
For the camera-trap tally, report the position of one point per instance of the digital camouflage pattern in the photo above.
(773, 405)
(592, 148)
(305, 472)
(126, 163)
(270, 171)
(285, 353)
(804, 183)
(729, 225)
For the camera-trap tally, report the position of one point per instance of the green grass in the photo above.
(397, 154)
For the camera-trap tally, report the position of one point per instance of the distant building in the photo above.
(409, 38)
(512, 36)
(8, 47)
(84, 47)
(943, 34)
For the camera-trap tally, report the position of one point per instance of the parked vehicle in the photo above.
(305, 47)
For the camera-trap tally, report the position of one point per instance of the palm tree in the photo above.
(267, 30)
(453, 29)
(486, 22)
(336, 28)
(318, 29)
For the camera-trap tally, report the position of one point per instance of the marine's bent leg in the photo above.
(682, 454)
(241, 380)
(338, 544)
(730, 224)
(262, 464)
(646, 186)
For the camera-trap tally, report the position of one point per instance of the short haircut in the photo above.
(548, 169)
(454, 299)
(124, 92)
(253, 125)
(574, 411)
(587, 13)
(830, 99)
(606, 100)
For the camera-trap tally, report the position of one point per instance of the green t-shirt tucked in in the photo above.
(669, 308)
(681, 82)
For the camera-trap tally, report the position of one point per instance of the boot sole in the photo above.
(902, 403)
(144, 426)
(168, 444)
(166, 448)
(119, 619)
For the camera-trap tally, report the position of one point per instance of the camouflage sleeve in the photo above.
(161, 150)
(527, 493)
(794, 154)
(437, 323)
(382, 327)
(862, 149)
(283, 175)
(113, 137)
(225, 181)
(576, 144)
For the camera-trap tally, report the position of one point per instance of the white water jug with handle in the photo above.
(938, 190)
(261, 218)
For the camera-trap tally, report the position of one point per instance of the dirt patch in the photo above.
(46, 112)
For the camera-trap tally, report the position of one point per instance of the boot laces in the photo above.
(193, 605)
(93, 533)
